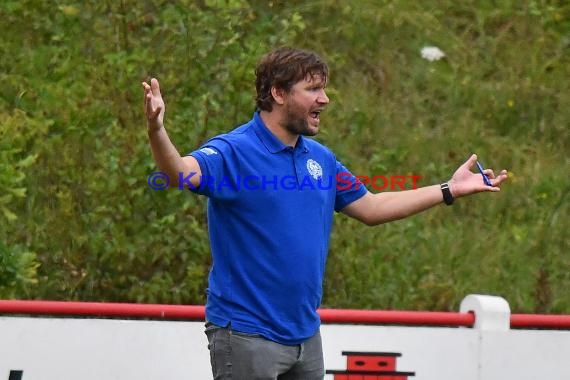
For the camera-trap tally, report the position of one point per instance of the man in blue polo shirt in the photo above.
(272, 194)
(270, 213)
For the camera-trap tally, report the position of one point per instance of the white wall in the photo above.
(102, 349)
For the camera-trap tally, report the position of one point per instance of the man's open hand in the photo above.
(465, 182)
(154, 105)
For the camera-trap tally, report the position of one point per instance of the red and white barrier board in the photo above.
(478, 343)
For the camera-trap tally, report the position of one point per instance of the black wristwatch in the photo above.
(447, 196)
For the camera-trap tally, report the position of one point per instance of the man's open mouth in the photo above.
(315, 114)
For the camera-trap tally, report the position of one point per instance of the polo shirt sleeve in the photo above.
(348, 188)
(214, 159)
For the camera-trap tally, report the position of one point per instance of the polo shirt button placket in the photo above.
(291, 151)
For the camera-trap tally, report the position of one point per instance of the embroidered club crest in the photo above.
(314, 169)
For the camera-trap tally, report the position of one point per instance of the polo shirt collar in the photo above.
(271, 142)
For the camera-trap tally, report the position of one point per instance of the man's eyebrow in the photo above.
(317, 80)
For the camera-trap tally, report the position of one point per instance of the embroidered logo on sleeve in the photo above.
(314, 169)
(208, 151)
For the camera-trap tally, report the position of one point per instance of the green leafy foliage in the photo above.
(78, 220)
(17, 271)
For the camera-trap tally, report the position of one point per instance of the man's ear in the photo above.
(278, 95)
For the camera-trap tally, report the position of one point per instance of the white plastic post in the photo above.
(491, 312)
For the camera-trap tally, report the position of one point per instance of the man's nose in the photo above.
(323, 98)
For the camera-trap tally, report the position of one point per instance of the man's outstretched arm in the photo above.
(374, 209)
(164, 152)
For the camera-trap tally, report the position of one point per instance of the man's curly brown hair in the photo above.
(282, 68)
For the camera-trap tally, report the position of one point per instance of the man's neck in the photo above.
(273, 122)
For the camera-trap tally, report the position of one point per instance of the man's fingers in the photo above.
(470, 162)
(497, 181)
(502, 177)
(146, 89)
(151, 112)
(153, 104)
(148, 101)
(155, 87)
(147, 98)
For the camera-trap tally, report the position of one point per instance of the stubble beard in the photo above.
(296, 122)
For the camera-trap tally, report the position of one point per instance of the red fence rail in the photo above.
(97, 309)
(543, 321)
(389, 317)
(196, 312)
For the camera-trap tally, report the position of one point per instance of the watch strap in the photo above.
(447, 196)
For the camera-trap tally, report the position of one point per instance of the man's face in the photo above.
(303, 106)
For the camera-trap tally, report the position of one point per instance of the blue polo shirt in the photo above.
(270, 213)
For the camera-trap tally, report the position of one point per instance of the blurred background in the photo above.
(78, 220)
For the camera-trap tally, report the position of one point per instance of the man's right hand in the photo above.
(154, 105)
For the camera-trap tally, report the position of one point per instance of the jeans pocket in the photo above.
(244, 334)
(210, 326)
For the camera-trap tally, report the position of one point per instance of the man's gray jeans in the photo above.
(240, 356)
